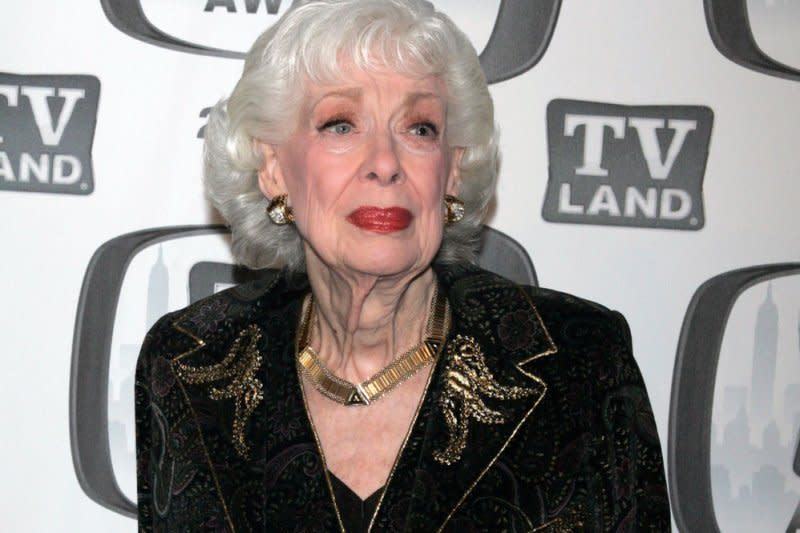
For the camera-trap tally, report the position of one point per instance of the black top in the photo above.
(355, 512)
(536, 418)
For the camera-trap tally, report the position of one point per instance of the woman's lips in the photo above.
(380, 219)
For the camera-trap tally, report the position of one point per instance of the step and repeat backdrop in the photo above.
(650, 163)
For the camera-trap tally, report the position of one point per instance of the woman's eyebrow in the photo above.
(352, 93)
(413, 98)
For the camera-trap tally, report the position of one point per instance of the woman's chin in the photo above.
(383, 270)
(383, 264)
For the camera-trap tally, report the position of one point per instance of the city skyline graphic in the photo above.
(756, 417)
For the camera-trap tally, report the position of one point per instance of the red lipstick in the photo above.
(380, 219)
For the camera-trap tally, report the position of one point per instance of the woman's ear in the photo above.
(453, 185)
(270, 175)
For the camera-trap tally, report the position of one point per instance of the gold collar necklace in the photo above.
(402, 368)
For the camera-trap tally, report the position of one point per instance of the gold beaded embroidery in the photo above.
(571, 520)
(239, 366)
(466, 379)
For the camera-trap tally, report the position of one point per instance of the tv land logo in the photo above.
(626, 165)
(47, 125)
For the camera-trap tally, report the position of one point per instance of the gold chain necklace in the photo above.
(401, 369)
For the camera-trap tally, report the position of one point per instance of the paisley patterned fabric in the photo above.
(557, 430)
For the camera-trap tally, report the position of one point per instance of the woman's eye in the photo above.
(424, 129)
(338, 127)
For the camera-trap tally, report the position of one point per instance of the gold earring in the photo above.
(278, 211)
(454, 209)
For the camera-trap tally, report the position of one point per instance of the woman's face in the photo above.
(366, 170)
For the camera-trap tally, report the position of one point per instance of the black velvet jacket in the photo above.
(535, 418)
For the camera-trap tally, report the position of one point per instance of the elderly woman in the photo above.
(378, 381)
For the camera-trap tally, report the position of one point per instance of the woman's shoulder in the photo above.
(527, 323)
(573, 312)
(219, 317)
(472, 285)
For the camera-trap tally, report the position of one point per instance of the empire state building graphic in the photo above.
(157, 290)
(765, 349)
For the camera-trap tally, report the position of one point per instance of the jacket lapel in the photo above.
(196, 375)
(484, 389)
(218, 363)
(234, 362)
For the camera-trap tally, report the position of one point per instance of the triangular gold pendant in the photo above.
(355, 399)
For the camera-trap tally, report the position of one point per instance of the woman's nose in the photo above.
(383, 164)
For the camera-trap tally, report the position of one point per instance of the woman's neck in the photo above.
(363, 322)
